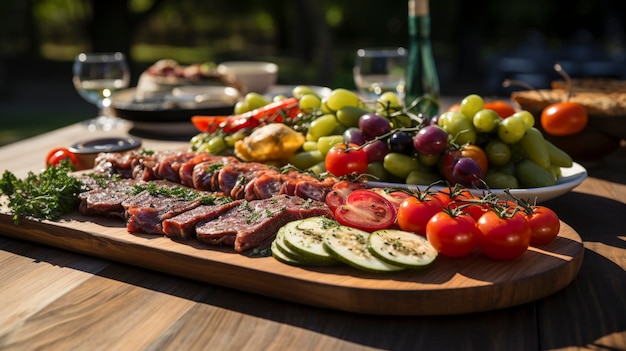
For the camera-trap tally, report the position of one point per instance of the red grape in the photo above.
(374, 125)
(430, 140)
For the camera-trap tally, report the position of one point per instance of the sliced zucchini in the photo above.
(280, 245)
(401, 248)
(349, 245)
(304, 237)
(280, 256)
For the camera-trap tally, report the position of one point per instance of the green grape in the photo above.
(309, 145)
(428, 160)
(500, 180)
(324, 143)
(279, 97)
(527, 117)
(340, 97)
(400, 165)
(231, 139)
(309, 102)
(389, 100)
(318, 168)
(422, 177)
(301, 90)
(470, 105)
(486, 121)
(377, 171)
(216, 145)
(255, 100)
(339, 130)
(307, 159)
(198, 139)
(512, 129)
(459, 127)
(498, 152)
(349, 115)
(322, 126)
(241, 107)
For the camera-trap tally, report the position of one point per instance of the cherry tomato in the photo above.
(465, 201)
(502, 108)
(60, 153)
(366, 210)
(452, 235)
(564, 118)
(339, 193)
(544, 225)
(394, 197)
(344, 159)
(503, 237)
(415, 212)
(477, 154)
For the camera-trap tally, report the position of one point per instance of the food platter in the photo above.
(571, 177)
(448, 286)
(169, 107)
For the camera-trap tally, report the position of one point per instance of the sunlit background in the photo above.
(477, 43)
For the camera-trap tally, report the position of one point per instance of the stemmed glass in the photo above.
(379, 70)
(96, 77)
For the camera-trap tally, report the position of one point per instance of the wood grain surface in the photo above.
(443, 288)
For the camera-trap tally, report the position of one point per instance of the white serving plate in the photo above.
(571, 178)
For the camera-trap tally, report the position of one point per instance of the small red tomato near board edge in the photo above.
(56, 155)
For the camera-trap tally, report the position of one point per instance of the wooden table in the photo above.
(58, 300)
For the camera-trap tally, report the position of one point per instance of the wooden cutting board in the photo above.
(448, 286)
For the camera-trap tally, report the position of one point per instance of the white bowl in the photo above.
(570, 178)
(252, 76)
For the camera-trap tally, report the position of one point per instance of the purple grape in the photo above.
(376, 151)
(401, 142)
(467, 172)
(374, 125)
(434, 120)
(354, 135)
(430, 140)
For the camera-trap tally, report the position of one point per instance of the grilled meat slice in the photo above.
(184, 225)
(107, 200)
(253, 223)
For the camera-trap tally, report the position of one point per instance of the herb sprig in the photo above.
(46, 195)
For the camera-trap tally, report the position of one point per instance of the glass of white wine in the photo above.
(380, 70)
(97, 76)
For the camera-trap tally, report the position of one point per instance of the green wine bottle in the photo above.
(422, 81)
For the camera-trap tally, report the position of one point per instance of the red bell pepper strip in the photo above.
(273, 112)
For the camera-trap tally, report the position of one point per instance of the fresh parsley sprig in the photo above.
(46, 195)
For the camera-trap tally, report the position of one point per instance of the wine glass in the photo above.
(380, 70)
(96, 77)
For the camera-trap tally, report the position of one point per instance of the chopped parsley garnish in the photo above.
(46, 195)
(180, 192)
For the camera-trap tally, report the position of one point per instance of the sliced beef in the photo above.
(308, 187)
(205, 174)
(254, 223)
(146, 211)
(234, 177)
(184, 225)
(106, 200)
(168, 166)
(185, 173)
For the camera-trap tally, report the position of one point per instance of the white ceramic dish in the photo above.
(252, 76)
(571, 178)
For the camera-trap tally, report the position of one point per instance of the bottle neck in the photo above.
(418, 8)
(419, 19)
